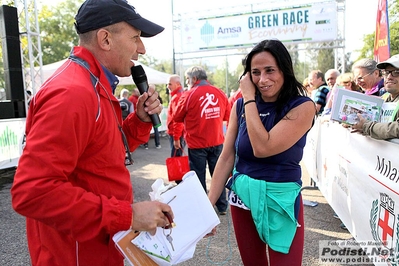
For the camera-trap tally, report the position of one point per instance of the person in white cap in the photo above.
(387, 130)
(72, 183)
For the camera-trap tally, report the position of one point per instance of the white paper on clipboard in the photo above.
(194, 217)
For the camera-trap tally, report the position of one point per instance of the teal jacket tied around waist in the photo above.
(272, 209)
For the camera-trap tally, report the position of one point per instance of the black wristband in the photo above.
(249, 101)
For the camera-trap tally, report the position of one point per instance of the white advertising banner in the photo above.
(11, 136)
(310, 22)
(359, 178)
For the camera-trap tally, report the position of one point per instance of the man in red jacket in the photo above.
(72, 183)
(203, 108)
(175, 129)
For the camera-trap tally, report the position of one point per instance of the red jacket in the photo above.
(71, 182)
(237, 95)
(175, 129)
(133, 99)
(203, 109)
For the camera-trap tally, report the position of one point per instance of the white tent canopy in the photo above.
(153, 76)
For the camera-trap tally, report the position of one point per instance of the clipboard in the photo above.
(134, 255)
(194, 216)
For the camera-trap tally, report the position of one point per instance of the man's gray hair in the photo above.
(197, 72)
(331, 71)
(366, 63)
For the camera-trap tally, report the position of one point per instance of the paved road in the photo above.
(219, 250)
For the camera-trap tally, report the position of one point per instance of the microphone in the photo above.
(140, 79)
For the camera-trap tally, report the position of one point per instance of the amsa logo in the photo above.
(229, 30)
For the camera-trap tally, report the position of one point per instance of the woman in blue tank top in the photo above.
(263, 148)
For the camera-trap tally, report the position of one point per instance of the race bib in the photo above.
(236, 201)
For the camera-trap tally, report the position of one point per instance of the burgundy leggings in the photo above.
(253, 249)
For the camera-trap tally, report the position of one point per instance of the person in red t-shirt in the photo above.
(133, 98)
(203, 108)
(233, 98)
(175, 129)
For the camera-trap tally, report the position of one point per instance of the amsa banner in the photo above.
(359, 177)
(310, 22)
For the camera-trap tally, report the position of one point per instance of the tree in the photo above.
(367, 50)
(57, 30)
(301, 67)
(163, 66)
(325, 59)
(223, 79)
(301, 70)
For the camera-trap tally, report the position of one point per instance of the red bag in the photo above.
(177, 167)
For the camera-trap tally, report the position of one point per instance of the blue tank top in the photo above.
(282, 167)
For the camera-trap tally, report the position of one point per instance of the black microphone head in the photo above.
(138, 74)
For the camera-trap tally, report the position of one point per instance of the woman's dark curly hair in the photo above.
(291, 87)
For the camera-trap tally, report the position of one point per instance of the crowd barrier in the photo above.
(359, 177)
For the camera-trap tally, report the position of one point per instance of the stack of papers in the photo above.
(194, 217)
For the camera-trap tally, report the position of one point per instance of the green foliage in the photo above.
(325, 59)
(394, 32)
(223, 79)
(301, 67)
(57, 30)
(166, 67)
(301, 70)
(367, 51)
(163, 66)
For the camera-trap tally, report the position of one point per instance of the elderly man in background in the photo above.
(331, 77)
(389, 130)
(175, 129)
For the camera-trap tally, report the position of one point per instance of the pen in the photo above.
(171, 199)
(169, 217)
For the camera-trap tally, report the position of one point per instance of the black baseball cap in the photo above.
(95, 14)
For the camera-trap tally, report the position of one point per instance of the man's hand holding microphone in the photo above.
(148, 106)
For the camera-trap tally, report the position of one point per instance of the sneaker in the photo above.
(335, 215)
(146, 146)
(158, 147)
(223, 213)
